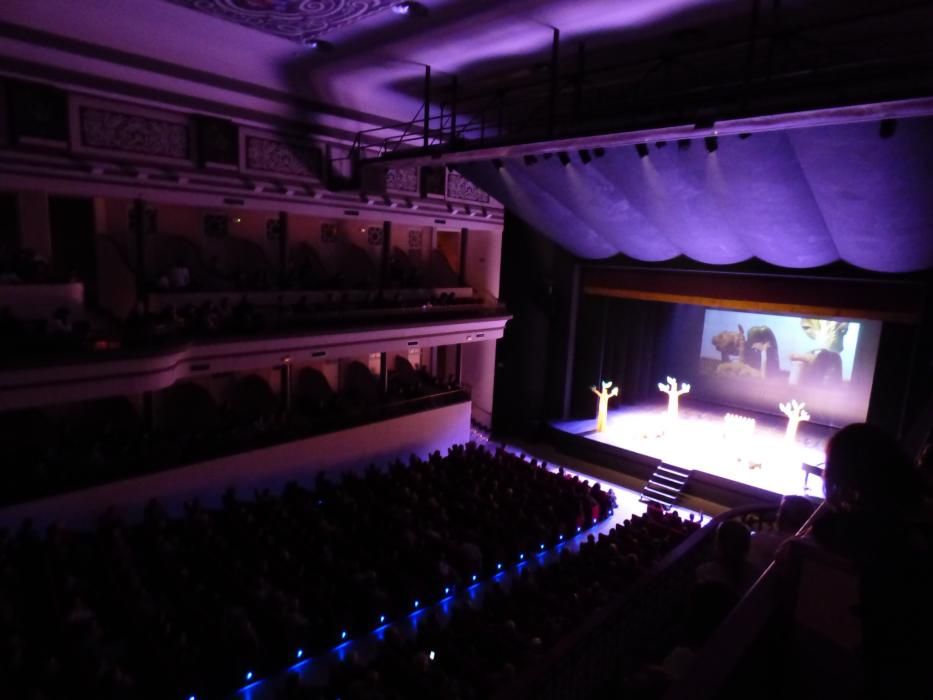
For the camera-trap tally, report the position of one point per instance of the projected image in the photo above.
(778, 349)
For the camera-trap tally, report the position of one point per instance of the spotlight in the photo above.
(410, 9)
(498, 163)
(712, 143)
(446, 590)
(585, 156)
(745, 135)
(599, 152)
(887, 128)
(299, 653)
(499, 566)
(564, 158)
(541, 546)
(474, 577)
(382, 619)
(530, 160)
(317, 44)
(548, 156)
(521, 556)
(683, 144)
(249, 675)
(431, 655)
(417, 604)
(660, 144)
(343, 635)
(642, 149)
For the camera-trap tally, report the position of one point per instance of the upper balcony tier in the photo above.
(203, 336)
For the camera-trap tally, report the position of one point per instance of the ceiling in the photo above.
(798, 198)
(377, 63)
(291, 19)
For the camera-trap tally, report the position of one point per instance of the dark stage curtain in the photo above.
(622, 340)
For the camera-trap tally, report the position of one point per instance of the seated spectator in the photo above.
(179, 276)
(793, 512)
(730, 565)
(60, 323)
(877, 519)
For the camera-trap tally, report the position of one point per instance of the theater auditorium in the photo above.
(466, 349)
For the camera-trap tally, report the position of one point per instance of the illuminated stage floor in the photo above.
(700, 441)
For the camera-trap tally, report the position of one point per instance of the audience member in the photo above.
(876, 518)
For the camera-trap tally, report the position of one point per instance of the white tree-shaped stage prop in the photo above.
(795, 414)
(673, 395)
(604, 395)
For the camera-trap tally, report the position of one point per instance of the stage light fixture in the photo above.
(564, 158)
(317, 44)
(745, 135)
(530, 160)
(887, 128)
(585, 156)
(547, 156)
(498, 163)
(712, 143)
(410, 9)
(642, 149)
(599, 152)
(683, 144)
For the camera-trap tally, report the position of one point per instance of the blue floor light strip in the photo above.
(417, 608)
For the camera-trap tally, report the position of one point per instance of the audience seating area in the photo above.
(197, 606)
(482, 647)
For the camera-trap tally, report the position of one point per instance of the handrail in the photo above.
(532, 682)
(718, 657)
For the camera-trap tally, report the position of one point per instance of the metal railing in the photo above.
(606, 645)
(779, 53)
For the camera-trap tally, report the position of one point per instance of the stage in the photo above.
(730, 462)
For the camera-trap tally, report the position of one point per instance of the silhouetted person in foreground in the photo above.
(878, 520)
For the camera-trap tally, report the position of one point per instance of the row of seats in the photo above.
(481, 647)
(171, 608)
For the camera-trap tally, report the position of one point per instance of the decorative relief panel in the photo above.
(458, 187)
(283, 158)
(292, 19)
(414, 238)
(374, 235)
(402, 180)
(132, 133)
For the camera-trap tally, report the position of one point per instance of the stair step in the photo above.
(658, 494)
(667, 487)
(663, 504)
(676, 471)
(678, 482)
